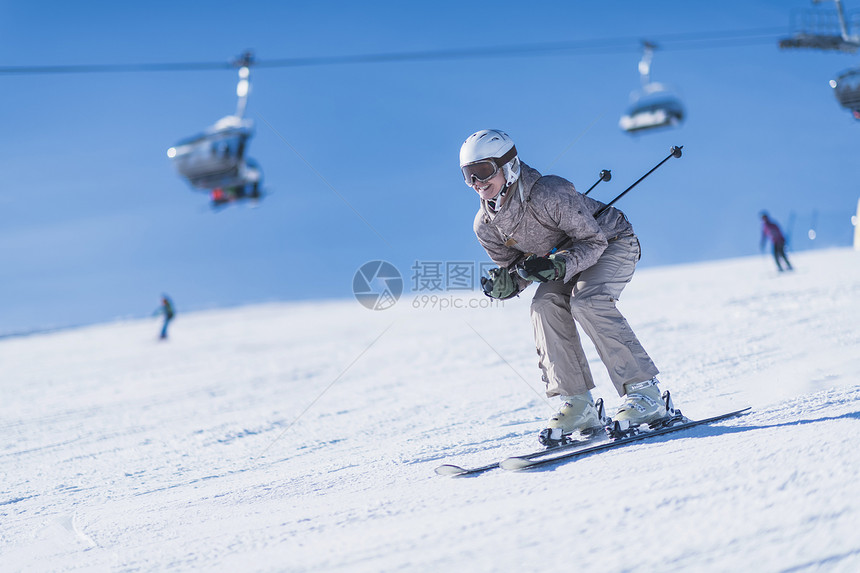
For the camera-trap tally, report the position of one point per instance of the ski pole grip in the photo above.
(605, 175)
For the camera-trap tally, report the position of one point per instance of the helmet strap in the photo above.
(492, 203)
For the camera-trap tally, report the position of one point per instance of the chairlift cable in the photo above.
(668, 42)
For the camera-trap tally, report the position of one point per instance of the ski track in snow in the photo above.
(282, 438)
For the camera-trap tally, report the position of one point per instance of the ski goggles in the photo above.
(485, 169)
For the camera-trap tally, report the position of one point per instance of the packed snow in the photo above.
(304, 436)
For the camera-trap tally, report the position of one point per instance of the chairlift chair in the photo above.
(655, 106)
(846, 87)
(216, 159)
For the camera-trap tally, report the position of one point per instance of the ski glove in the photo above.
(500, 285)
(542, 269)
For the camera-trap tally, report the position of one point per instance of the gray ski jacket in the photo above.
(540, 212)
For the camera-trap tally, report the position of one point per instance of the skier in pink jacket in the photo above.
(770, 230)
(523, 216)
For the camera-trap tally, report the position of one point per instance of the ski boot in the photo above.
(643, 405)
(577, 413)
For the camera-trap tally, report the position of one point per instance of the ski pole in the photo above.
(674, 152)
(605, 175)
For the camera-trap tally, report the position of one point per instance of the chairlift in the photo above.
(846, 87)
(215, 161)
(828, 30)
(216, 157)
(654, 106)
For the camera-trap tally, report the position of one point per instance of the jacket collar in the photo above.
(514, 206)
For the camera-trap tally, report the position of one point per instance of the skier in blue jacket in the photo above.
(168, 311)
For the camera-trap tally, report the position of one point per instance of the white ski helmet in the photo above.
(493, 145)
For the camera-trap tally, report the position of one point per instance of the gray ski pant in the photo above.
(589, 299)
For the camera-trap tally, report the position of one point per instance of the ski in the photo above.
(454, 470)
(531, 461)
(581, 440)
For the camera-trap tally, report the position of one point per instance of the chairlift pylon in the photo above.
(654, 106)
(216, 161)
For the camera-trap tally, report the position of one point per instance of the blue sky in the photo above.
(361, 160)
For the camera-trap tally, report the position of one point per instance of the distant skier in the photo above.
(522, 213)
(770, 230)
(168, 311)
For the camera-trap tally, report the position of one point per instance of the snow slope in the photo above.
(303, 437)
